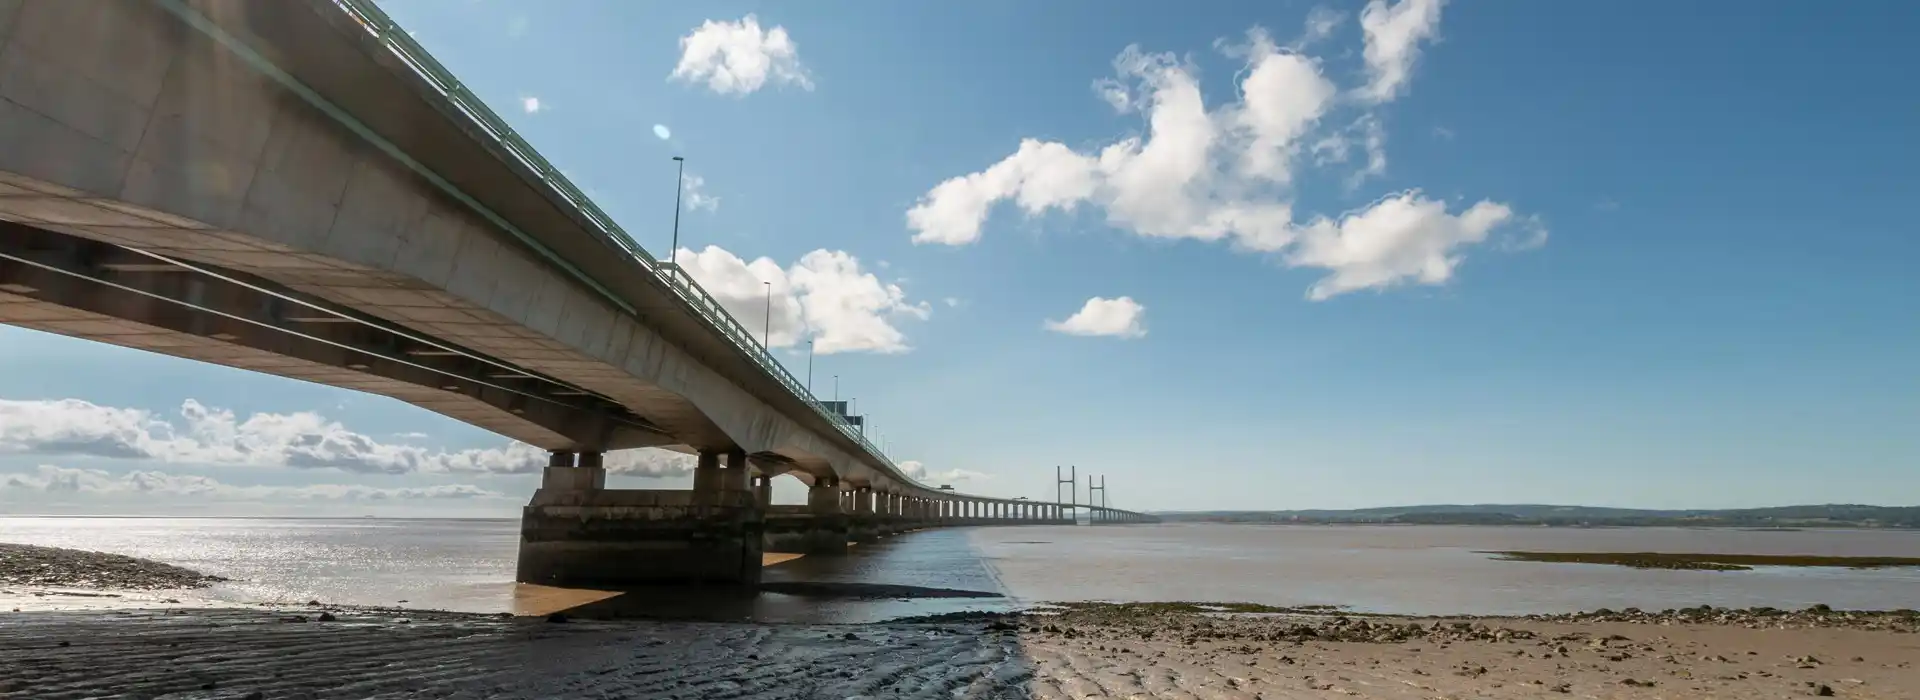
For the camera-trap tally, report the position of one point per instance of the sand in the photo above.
(393, 654)
(78, 643)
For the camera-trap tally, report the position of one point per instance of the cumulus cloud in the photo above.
(694, 192)
(1393, 33)
(302, 440)
(48, 480)
(1119, 318)
(737, 58)
(826, 296)
(1223, 172)
(1402, 238)
(1196, 174)
(530, 104)
(661, 131)
(920, 473)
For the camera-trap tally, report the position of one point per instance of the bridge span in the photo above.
(297, 188)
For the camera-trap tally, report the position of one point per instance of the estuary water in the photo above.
(467, 565)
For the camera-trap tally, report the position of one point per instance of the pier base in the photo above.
(573, 536)
(793, 529)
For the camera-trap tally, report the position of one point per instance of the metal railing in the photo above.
(396, 40)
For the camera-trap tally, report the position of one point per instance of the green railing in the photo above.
(396, 40)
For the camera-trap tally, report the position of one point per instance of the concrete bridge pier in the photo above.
(829, 534)
(861, 526)
(818, 528)
(577, 532)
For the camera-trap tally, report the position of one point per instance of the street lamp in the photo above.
(679, 186)
(809, 368)
(766, 331)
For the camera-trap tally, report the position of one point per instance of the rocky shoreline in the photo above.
(1258, 623)
(32, 565)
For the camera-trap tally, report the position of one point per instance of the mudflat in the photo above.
(1080, 651)
(31, 565)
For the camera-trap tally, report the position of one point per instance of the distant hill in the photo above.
(1580, 516)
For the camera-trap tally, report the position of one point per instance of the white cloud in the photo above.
(1402, 238)
(303, 440)
(1196, 174)
(1225, 173)
(47, 481)
(1321, 21)
(951, 302)
(530, 104)
(825, 295)
(693, 190)
(661, 131)
(1120, 318)
(737, 58)
(920, 473)
(1393, 33)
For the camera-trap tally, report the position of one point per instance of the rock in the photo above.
(850, 637)
(326, 617)
(557, 617)
(1823, 690)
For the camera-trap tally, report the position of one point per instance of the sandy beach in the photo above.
(63, 635)
(1121, 651)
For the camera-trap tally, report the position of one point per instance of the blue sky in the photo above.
(1546, 252)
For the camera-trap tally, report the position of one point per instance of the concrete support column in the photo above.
(561, 473)
(862, 523)
(736, 476)
(763, 491)
(706, 478)
(824, 498)
(575, 532)
(831, 526)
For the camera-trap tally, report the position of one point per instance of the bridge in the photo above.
(297, 188)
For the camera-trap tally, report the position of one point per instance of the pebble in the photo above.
(30, 565)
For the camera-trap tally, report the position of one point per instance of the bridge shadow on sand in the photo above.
(817, 631)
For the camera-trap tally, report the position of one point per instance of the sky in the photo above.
(1226, 255)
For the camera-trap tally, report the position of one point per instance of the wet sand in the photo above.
(292, 653)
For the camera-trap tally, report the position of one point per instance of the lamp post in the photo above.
(679, 186)
(766, 330)
(809, 368)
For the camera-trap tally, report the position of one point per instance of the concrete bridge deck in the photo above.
(297, 188)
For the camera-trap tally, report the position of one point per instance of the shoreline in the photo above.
(149, 644)
(1067, 651)
(30, 572)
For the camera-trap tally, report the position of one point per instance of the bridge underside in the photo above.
(99, 291)
(274, 186)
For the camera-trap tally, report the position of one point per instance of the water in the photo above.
(467, 565)
(1436, 569)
